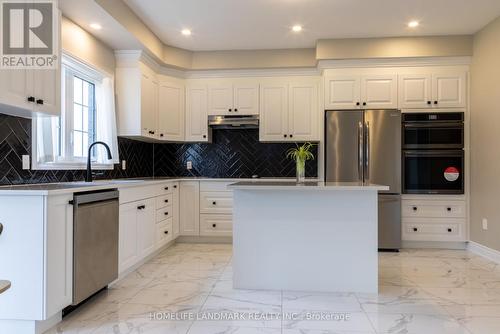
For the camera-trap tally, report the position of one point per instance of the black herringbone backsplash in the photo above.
(232, 153)
(15, 141)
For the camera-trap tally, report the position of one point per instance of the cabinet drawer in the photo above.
(216, 202)
(132, 194)
(164, 213)
(436, 229)
(215, 186)
(163, 233)
(216, 225)
(433, 209)
(166, 188)
(164, 200)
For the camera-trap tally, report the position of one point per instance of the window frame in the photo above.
(70, 66)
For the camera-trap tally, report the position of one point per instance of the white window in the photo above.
(87, 115)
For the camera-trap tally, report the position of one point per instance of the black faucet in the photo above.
(88, 176)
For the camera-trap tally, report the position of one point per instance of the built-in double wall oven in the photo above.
(433, 153)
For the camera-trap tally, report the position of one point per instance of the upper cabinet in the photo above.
(436, 89)
(233, 99)
(171, 110)
(196, 113)
(137, 101)
(361, 91)
(289, 110)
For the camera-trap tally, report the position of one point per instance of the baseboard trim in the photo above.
(204, 240)
(484, 251)
(435, 244)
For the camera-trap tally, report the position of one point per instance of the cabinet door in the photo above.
(379, 92)
(273, 112)
(146, 227)
(171, 111)
(176, 210)
(128, 251)
(46, 88)
(13, 88)
(149, 94)
(303, 115)
(216, 225)
(190, 208)
(448, 89)
(196, 114)
(220, 100)
(415, 91)
(342, 92)
(246, 99)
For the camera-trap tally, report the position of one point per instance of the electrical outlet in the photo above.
(26, 162)
(189, 165)
(124, 164)
(485, 224)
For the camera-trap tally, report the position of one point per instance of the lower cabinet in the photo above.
(146, 227)
(190, 208)
(164, 233)
(216, 225)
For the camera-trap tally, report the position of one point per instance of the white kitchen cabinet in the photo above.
(216, 225)
(415, 91)
(233, 99)
(128, 252)
(289, 110)
(136, 100)
(190, 208)
(379, 91)
(374, 91)
(171, 111)
(146, 227)
(342, 92)
(303, 114)
(273, 111)
(46, 89)
(163, 233)
(197, 114)
(36, 255)
(449, 89)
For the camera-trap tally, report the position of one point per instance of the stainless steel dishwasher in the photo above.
(95, 242)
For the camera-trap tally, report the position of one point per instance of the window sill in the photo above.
(70, 166)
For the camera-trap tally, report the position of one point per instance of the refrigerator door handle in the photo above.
(360, 151)
(367, 152)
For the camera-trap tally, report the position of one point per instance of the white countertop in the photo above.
(71, 187)
(308, 185)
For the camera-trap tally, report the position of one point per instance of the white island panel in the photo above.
(305, 238)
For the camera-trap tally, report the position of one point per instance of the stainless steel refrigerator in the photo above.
(365, 146)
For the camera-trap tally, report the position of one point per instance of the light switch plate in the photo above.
(124, 164)
(26, 162)
(485, 224)
(189, 165)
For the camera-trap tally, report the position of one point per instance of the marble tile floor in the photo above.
(421, 292)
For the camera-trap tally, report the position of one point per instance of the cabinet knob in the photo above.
(449, 230)
(448, 209)
(161, 134)
(415, 208)
(175, 186)
(291, 136)
(204, 136)
(364, 103)
(235, 109)
(214, 225)
(166, 201)
(166, 188)
(230, 109)
(1, 228)
(285, 136)
(415, 229)
(429, 102)
(357, 103)
(141, 207)
(151, 132)
(39, 101)
(166, 213)
(214, 203)
(31, 99)
(166, 232)
(435, 102)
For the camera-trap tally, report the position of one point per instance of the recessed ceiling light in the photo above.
(186, 32)
(297, 28)
(413, 24)
(96, 26)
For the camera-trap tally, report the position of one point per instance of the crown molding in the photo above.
(394, 62)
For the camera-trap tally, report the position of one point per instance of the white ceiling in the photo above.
(265, 24)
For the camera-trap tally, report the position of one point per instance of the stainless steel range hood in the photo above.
(234, 121)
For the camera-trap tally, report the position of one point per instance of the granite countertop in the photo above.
(308, 185)
(68, 187)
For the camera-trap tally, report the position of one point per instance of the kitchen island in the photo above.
(315, 236)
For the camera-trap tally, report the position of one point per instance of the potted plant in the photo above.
(300, 154)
